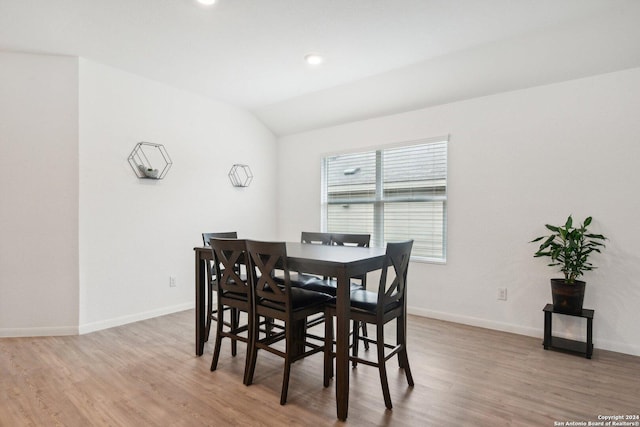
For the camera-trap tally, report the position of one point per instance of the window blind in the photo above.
(394, 194)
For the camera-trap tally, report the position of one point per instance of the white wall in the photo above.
(517, 160)
(135, 233)
(86, 244)
(38, 194)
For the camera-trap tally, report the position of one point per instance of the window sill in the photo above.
(425, 260)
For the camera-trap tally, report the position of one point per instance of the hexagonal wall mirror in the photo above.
(240, 175)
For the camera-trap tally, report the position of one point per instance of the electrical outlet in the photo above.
(502, 294)
(172, 281)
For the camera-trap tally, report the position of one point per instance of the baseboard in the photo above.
(119, 321)
(91, 327)
(465, 320)
(55, 331)
(631, 349)
(475, 321)
(618, 347)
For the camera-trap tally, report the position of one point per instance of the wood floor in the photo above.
(146, 374)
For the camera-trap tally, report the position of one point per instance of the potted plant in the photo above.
(569, 248)
(148, 172)
(151, 173)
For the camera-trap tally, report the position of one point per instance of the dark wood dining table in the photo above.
(341, 262)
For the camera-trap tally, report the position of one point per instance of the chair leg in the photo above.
(207, 328)
(287, 362)
(365, 334)
(356, 342)
(382, 365)
(216, 350)
(234, 327)
(403, 358)
(407, 369)
(254, 351)
(268, 326)
(400, 339)
(285, 381)
(328, 348)
(250, 344)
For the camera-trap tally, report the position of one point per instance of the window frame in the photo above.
(379, 202)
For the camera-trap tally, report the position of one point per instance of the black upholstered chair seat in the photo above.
(327, 286)
(368, 301)
(235, 295)
(297, 280)
(301, 279)
(301, 298)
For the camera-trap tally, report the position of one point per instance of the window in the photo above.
(395, 193)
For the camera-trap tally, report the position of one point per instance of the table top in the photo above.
(325, 259)
(327, 253)
(332, 253)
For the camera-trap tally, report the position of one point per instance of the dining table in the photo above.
(339, 262)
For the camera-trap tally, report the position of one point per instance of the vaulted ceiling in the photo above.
(381, 56)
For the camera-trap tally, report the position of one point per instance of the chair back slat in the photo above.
(206, 237)
(228, 254)
(264, 259)
(361, 240)
(396, 263)
(317, 238)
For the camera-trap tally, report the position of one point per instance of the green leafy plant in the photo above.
(570, 247)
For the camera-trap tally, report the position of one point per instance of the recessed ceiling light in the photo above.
(314, 58)
(207, 2)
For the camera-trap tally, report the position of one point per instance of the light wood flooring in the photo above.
(146, 374)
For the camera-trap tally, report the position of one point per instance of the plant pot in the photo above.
(151, 173)
(567, 297)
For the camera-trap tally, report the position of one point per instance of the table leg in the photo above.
(200, 312)
(343, 307)
(299, 331)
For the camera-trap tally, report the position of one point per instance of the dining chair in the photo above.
(363, 241)
(342, 239)
(234, 292)
(279, 300)
(330, 285)
(212, 312)
(310, 238)
(378, 308)
(314, 237)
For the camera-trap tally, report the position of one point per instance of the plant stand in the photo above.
(571, 346)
